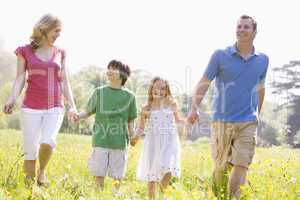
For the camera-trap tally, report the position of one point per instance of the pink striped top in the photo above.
(43, 77)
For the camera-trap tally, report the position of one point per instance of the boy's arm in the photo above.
(89, 109)
(131, 128)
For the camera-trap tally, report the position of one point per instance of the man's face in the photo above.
(244, 31)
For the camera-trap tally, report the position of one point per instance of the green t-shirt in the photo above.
(114, 108)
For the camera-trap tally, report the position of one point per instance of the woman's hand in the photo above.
(8, 107)
(72, 115)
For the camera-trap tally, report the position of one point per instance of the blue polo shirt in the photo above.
(236, 79)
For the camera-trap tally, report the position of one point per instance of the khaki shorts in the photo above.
(105, 161)
(233, 142)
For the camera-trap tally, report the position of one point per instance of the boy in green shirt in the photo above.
(115, 109)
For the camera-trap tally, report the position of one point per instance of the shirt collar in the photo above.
(233, 50)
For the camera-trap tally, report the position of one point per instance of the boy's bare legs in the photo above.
(237, 178)
(29, 169)
(45, 153)
(151, 190)
(100, 182)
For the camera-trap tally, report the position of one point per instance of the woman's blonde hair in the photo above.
(153, 81)
(39, 34)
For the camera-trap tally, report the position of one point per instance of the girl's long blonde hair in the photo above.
(39, 34)
(168, 94)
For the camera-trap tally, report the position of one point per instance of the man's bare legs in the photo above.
(237, 178)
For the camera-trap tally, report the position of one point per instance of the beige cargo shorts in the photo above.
(233, 142)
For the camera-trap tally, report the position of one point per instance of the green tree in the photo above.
(287, 85)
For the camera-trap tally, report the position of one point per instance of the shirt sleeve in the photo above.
(92, 103)
(212, 68)
(262, 77)
(20, 51)
(63, 54)
(132, 109)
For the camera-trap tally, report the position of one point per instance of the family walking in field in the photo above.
(239, 72)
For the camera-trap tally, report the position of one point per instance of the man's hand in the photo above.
(193, 116)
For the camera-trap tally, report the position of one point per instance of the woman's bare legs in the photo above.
(45, 153)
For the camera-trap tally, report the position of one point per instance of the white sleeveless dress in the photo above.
(161, 150)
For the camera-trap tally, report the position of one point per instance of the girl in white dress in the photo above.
(160, 158)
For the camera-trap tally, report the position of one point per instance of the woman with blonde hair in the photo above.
(42, 108)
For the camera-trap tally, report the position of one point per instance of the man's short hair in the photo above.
(254, 23)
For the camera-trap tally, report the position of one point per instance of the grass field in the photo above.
(274, 174)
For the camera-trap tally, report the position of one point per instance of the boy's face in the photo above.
(113, 74)
(159, 89)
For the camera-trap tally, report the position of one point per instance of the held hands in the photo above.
(193, 116)
(73, 115)
(134, 141)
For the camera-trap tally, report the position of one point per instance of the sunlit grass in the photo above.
(274, 174)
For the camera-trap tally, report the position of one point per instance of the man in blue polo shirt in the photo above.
(239, 72)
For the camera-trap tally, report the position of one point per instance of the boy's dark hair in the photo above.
(252, 19)
(123, 69)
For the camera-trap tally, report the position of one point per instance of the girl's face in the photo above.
(113, 74)
(53, 34)
(159, 89)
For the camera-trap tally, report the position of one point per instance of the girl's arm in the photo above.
(142, 121)
(140, 129)
(141, 126)
(178, 118)
(181, 121)
(67, 92)
(17, 86)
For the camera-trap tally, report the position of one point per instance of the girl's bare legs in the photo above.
(165, 182)
(151, 190)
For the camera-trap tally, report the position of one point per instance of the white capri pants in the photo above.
(40, 127)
